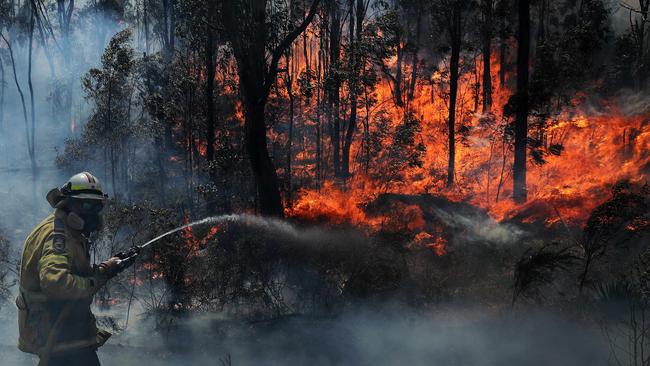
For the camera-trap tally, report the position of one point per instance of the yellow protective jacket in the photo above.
(56, 291)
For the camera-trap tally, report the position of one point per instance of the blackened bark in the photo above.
(334, 92)
(455, 35)
(319, 58)
(355, 68)
(503, 48)
(487, 50)
(289, 85)
(521, 122)
(263, 168)
(246, 22)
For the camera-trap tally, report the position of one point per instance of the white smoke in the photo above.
(480, 229)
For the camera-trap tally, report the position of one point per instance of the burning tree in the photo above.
(248, 33)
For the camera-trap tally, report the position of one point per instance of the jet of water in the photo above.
(207, 220)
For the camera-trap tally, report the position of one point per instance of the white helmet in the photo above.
(84, 186)
(81, 186)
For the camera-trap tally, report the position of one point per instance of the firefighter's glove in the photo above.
(105, 271)
(115, 265)
(110, 267)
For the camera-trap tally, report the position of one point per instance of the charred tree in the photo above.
(355, 67)
(334, 82)
(487, 10)
(521, 118)
(449, 15)
(501, 15)
(246, 27)
(289, 86)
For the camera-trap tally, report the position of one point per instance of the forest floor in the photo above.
(452, 336)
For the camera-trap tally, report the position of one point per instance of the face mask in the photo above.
(92, 223)
(84, 216)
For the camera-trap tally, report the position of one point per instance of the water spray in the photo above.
(127, 257)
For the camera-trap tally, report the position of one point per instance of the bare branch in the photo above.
(286, 42)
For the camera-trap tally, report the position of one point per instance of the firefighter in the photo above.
(58, 282)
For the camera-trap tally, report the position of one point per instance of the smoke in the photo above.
(390, 335)
(633, 103)
(22, 193)
(479, 228)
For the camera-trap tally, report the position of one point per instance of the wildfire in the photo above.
(192, 242)
(437, 243)
(581, 154)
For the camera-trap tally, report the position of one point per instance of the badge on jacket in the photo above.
(58, 242)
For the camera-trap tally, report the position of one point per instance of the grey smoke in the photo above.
(393, 335)
(479, 229)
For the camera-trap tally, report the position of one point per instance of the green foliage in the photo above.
(110, 89)
(406, 150)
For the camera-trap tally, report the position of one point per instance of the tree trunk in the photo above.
(32, 143)
(319, 153)
(334, 96)
(503, 47)
(210, 110)
(263, 168)
(145, 24)
(455, 33)
(289, 86)
(414, 60)
(20, 91)
(256, 78)
(398, 76)
(487, 50)
(355, 67)
(521, 122)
